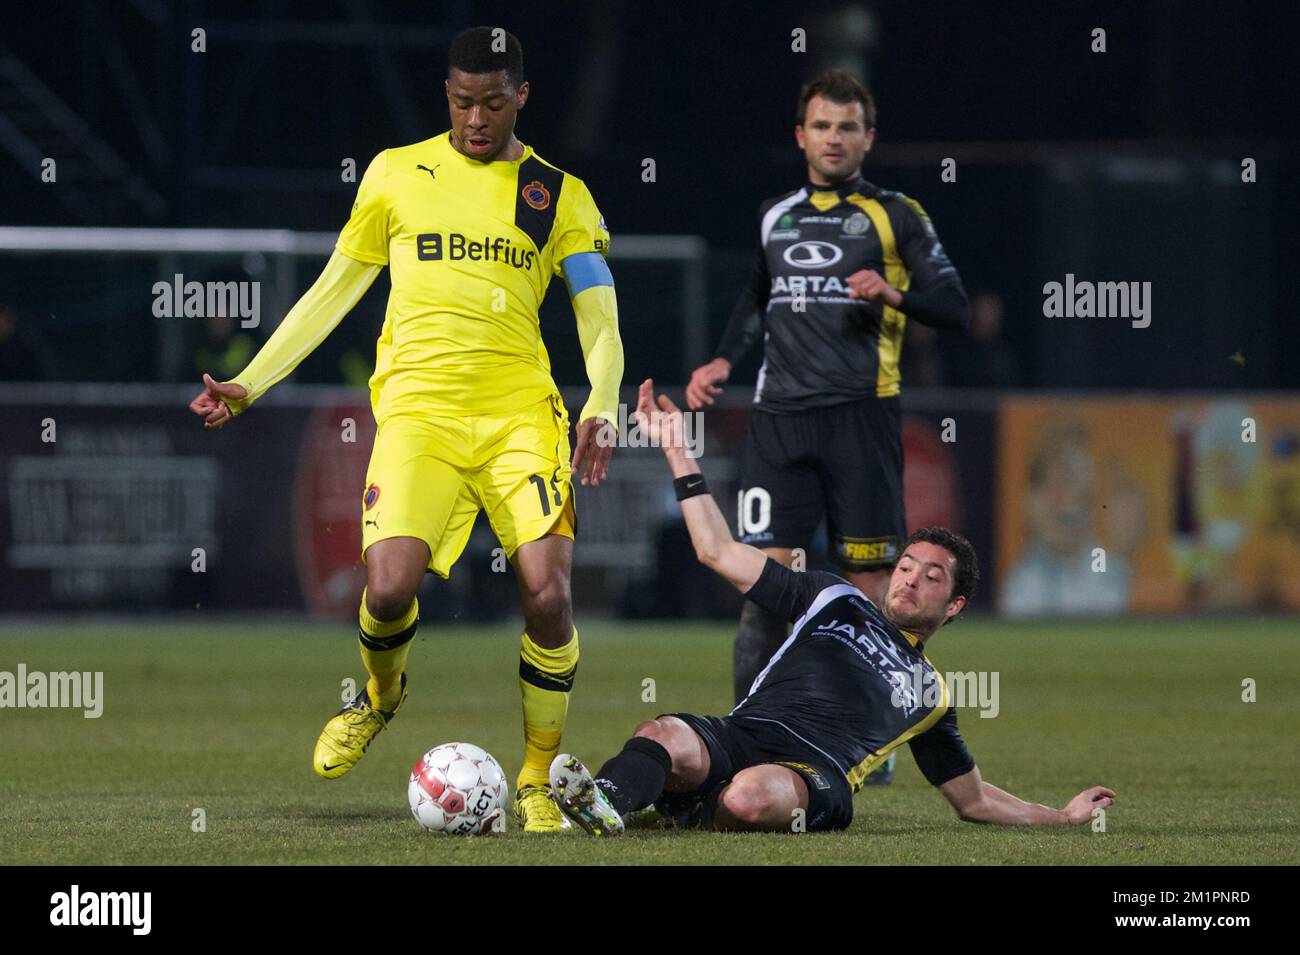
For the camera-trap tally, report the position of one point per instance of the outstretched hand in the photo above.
(594, 448)
(659, 419)
(210, 403)
(1080, 808)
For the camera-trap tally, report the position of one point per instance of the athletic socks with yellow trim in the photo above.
(545, 679)
(384, 646)
(635, 777)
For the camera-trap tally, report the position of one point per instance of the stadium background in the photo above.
(1069, 434)
(1124, 166)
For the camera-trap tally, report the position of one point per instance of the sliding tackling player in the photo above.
(473, 225)
(850, 685)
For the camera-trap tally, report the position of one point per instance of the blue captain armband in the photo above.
(584, 270)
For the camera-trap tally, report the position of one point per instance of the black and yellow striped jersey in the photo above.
(822, 347)
(849, 683)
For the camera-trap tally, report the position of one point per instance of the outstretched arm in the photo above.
(341, 284)
(591, 290)
(977, 801)
(739, 563)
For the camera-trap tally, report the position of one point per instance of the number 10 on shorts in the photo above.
(754, 510)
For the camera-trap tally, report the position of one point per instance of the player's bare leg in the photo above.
(761, 797)
(548, 660)
(689, 754)
(665, 755)
(768, 798)
(543, 568)
(388, 618)
(759, 636)
(394, 569)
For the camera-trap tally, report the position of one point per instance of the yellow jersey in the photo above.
(471, 249)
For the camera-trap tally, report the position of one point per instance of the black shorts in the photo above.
(844, 463)
(738, 742)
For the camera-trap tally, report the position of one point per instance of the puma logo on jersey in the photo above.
(431, 172)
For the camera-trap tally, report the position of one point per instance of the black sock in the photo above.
(760, 635)
(635, 777)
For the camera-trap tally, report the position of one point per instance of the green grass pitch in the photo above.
(224, 718)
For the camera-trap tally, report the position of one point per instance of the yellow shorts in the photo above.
(429, 476)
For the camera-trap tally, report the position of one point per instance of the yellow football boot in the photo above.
(536, 811)
(348, 735)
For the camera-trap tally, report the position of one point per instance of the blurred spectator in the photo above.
(981, 359)
(223, 351)
(19, 357)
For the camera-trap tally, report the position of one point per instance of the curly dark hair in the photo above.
(471, 52)
(966, 579)
(838, 86)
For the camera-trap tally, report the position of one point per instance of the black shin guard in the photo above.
(635, 777)
(760, 635)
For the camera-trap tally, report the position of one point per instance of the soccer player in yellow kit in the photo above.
(473, 224)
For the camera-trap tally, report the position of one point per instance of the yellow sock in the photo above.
(384, 646)
(545, 679)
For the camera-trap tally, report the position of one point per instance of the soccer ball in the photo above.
(458, 789)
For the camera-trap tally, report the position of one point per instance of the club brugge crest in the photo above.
(372, 496)
(536, 195)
